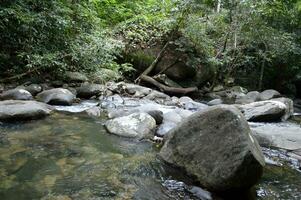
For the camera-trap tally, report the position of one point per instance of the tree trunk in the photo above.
(153, 65)
(167, 89)
(219, 5)
(261, 76)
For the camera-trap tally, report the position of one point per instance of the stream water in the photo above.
(71, 156)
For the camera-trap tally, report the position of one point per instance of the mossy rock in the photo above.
(140, 59)
(104, 75)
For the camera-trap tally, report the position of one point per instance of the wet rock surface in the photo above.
(15, 110)
(248, 98)
(16, 94)
(284, 135)
(87, 91)
(137, 125)
(73, 157)
(217, 147)
(264, 111)
(34, 89)
(57, 96)
(269, 94)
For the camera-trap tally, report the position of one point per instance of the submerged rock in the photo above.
(16, 94)
(57, 96)
(217, 148)
(263, 111)
(14, 110)
(136, 125)
(94, 111)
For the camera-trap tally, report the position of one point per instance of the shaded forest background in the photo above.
(253, 43)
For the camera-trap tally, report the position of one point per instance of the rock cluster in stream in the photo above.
(212, 142)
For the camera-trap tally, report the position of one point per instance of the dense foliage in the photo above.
(245, 40)
(254, 40)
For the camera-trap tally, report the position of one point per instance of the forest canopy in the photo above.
(245, 39)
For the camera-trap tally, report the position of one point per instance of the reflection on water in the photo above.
(66, 157)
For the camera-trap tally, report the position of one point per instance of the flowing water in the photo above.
(71, 156)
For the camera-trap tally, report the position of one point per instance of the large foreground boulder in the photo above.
(57, 96)
(136, 125)
(216, 147)
(264, 111)
(15, 110)
(16, 94)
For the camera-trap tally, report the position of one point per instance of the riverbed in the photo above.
(71, 156)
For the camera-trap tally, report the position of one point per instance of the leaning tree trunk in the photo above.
(218, 6)
(167, 89)
(154, 64)
(261, 75)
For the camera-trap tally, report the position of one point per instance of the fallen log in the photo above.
(167, 89)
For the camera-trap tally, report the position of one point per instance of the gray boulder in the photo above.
(238, 89)
(15, 110)
(189, 104)
(157, 115)
(136, 90)
(136, 125)
(57, 96)
(155, 95)
(216, 147)
(289, 111)
(34, 89)
(178, 71)
(171, 119)
(76, 77)
(89, 90)
(16, 94)
(263, 111)
(284, 135)
(269, 94)
(250, 97)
